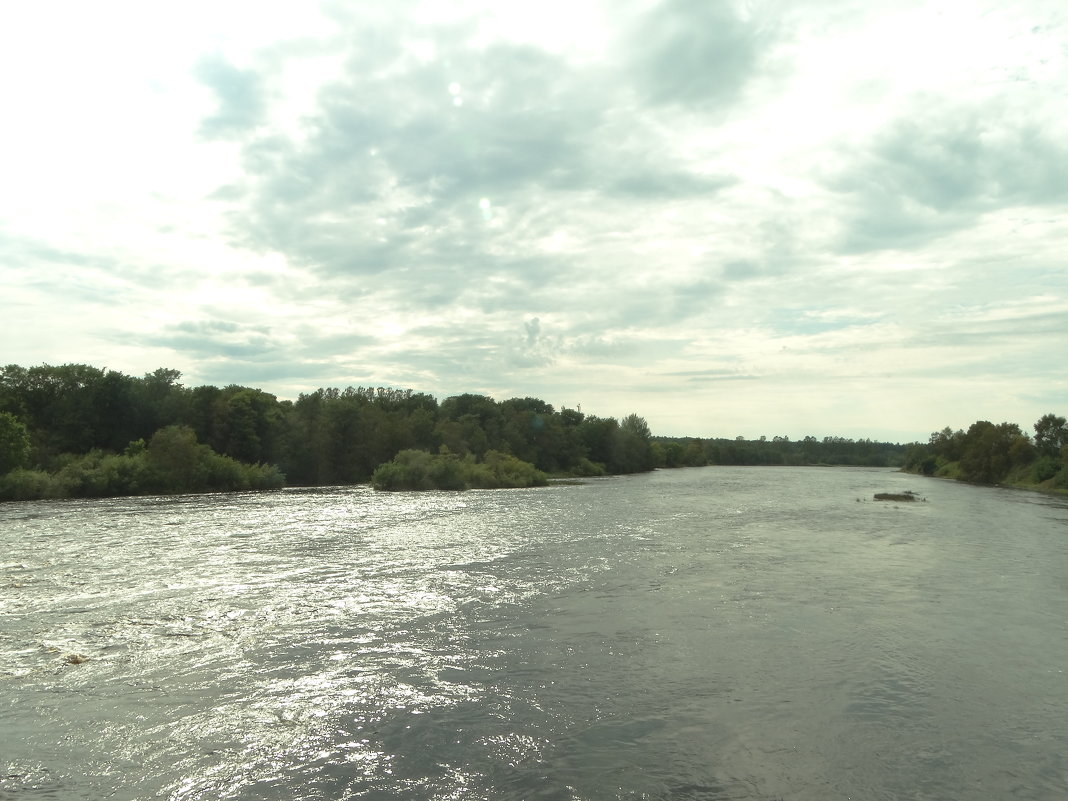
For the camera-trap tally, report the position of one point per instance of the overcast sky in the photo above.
(763, 218)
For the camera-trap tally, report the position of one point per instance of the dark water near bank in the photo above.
(705, 634)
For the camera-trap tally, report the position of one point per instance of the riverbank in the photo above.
(1019, 478)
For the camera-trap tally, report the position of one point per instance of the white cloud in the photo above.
(731, 219)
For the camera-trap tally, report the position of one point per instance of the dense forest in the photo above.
(76, 430)
(694, 452)
(997, 454)
(79, 431)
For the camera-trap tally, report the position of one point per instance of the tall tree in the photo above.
(990, 451)
(633, 452)
(1051, 434)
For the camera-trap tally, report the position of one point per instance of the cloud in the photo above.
(534, 350)
(997, 330)
(260, 343)
(281, 376)
(595, 200)
(401, 199)
(938, 167)
(533, 327)
(240, 95)
(693, 53)
(214, 338)
(705, 376)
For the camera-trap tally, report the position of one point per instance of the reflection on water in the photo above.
(713, 633)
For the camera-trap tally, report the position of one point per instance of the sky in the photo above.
(746, 219)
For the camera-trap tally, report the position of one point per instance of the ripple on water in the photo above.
(702, 634)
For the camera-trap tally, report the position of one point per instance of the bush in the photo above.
(264, 476)
(419, 470)
(173, 462)
(1044, 468)
(504, 470)
(28, 485)
(584, 467)
(182, 464)
(409, 470)
(99, 475)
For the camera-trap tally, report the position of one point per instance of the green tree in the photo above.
(598, 436)
(463, 435)
(247, 424)
(1051, 434)
(989, 452)
(14, 443)
(178, 458)
(919, 459)
(633, 452)
(947, 444)
(674, 455)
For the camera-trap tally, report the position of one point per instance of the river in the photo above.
(707, 634)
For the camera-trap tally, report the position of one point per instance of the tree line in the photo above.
(779, 450)
(1001, 453)
(78, 430)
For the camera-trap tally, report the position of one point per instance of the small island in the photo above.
(908, 495)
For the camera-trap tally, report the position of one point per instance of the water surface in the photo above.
(712, 633)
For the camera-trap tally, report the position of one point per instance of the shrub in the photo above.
(504, 470)
(584, 467)
(409, 470)
(419, 470)
(1044, 468)
(28, 485)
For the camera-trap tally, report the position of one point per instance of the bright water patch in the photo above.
(714, 633)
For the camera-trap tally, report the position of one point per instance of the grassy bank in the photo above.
(1028, 477)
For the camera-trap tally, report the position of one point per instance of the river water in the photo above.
(709, 633)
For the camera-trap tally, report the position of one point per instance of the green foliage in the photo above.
(918, 459)
(420, 470)
(172, 462)
(175, 457)
(98, 474)
(1060, 481)
(504, 470)
(671, 455)
(73, 408)
(991, 454)
(1051, 434)
(585, 468)
(632, 450)
(990, 451)
(947, 444)
(14, 443)
(598, 436)
(98, 432)
(27, 485)
(1044, 468)
(781, 451)
(178, 463)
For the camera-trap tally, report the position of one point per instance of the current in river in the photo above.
(716, 633)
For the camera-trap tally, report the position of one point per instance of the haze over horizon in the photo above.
(731, 218)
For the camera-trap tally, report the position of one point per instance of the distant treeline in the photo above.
(693, 452)
(997, 454)
(77, 430)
